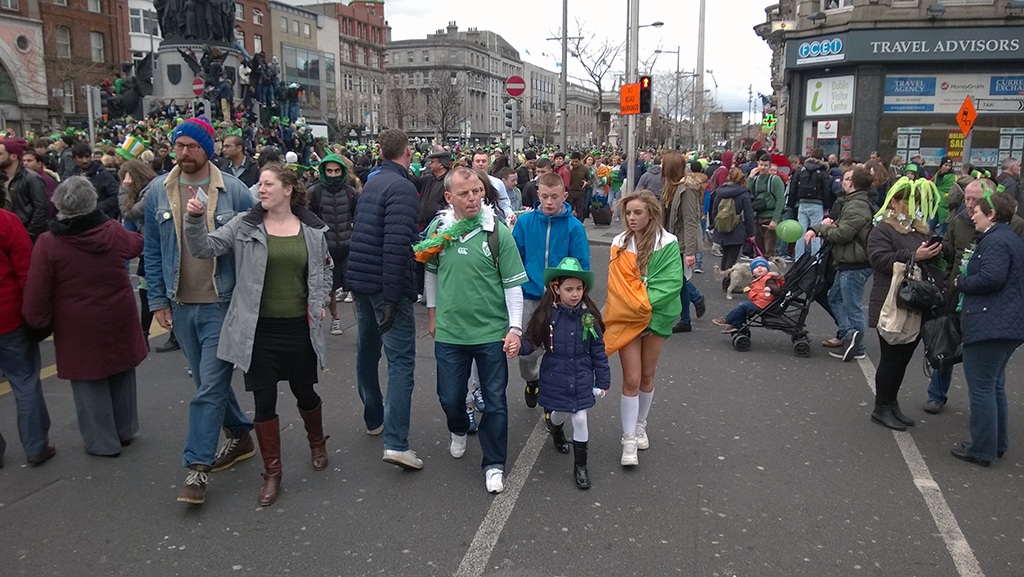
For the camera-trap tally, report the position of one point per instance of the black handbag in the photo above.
(922, 296)
(943, 341)
(759, 204)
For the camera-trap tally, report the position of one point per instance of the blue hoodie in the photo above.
(543, 241)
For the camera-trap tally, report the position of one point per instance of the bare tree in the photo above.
(401, 102)
(542, 124)
(597, 57)
(445, 101)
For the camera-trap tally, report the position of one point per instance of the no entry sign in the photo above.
(198, 86)
(515, 86)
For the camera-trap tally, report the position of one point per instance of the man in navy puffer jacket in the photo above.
(381, 276)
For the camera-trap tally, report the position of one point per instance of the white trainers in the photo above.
(629, 457)
(458, 446)
(495, 480)
(336, 327)
(348, 296)
(642, 442)
(405, 459)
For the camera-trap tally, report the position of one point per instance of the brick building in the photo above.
(252, 25)
(84, 42)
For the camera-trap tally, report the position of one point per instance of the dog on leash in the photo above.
(739, 274)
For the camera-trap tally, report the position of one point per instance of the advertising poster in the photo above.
(932, 155)
(985, 157)
(945, 93)
(829, 96)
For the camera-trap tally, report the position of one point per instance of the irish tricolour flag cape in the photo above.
(638, 303)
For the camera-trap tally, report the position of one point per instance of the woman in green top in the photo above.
(272, 327)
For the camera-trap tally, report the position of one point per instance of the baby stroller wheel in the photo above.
(802, 348)
(741, 342)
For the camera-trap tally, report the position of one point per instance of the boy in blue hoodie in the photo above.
(546, 235)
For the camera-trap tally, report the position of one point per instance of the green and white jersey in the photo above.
(470, 302)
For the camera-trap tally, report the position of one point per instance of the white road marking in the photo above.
(963, 556)
(475, 561)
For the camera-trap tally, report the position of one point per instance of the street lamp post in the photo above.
(675, 109)
(699, 104)
(633, 48)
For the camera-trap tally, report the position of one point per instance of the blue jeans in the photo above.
(809, 214)
(939, 384)
(197, 328)
(738, 315)
(400, 347)
(20, 362)
(704, 237)
(453, 362)
(688, 295)
(985, 369)
(846, 299)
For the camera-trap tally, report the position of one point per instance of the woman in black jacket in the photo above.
(732, 241)
(899, 236)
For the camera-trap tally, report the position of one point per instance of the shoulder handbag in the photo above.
(942, 336)
(919, 294)
(897, 325)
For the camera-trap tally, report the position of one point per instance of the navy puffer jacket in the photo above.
(380, 258)
(993, 288)
(744, 206)
(573, 367)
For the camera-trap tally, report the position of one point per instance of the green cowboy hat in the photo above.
(569, 267)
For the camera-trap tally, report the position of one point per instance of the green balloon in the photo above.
(789, 231)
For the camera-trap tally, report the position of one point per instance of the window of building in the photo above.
(142, 21)
(239, 11)
(63, 42)
(329, 75)
(96, 42)
(60, 2)
(284, 24)
(67, 95)
(426, 56)
(295, 27)
(257, 16)
(7, 91)
(835, 4)
(362, 55)
(9, 5)
(453, 55)
(257, 43)
(408, 56)
(306, 30)
(303, 67)
(95, 6)
(346, 52)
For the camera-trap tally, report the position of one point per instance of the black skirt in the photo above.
(281, 351)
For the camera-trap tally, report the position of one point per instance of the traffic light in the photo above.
(645, 95)
(510, 113)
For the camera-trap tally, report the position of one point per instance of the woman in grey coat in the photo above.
(272, 327)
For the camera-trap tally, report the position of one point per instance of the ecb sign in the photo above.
(821, 48)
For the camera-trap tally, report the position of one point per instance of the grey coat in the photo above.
(246, 236)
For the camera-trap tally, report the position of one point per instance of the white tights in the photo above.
(580, 432)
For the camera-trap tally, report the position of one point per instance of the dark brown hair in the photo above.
(673, 169)
(141, 173)
(537, 328)
(861, 178)
(1002, 209)
(288, 177)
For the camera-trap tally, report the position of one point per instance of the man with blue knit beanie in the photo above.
(193, 294)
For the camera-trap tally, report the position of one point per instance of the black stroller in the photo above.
(788, 313)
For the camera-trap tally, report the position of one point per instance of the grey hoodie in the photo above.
(651, 180)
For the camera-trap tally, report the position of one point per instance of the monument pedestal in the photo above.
(172, 77)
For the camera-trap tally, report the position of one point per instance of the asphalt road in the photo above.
(761, 464)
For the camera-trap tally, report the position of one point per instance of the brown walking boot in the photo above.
(313, 420)
(268, 434)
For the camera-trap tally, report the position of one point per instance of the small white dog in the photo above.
(740, 276)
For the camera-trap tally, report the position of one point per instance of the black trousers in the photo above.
(892, 367)
(730, 256)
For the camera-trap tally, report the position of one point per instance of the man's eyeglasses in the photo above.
(191, 147)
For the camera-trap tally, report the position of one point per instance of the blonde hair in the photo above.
(646, 238)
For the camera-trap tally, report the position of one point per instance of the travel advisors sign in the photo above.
(829, 96)
(945, 93)
(906, 45)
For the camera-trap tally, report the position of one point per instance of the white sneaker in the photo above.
(336, 327)
(348, 296)
(495, 481)
(629, 457)
(642, 442)
(375, 432)
(458, 446)
(405, 459)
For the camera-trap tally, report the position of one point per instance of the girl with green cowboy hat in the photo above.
(568, 326)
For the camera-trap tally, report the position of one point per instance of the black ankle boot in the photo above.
(557, 434)
(883, 416)
(896, 412)
(579, 450)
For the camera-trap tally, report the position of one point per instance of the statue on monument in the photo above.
(196, 21)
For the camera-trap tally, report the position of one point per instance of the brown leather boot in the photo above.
(268, 434)
(313, 420)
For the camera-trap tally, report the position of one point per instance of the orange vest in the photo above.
(758, 290)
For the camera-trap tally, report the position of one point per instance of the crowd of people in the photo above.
(245, 243)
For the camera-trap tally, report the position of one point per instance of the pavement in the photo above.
(761, 464)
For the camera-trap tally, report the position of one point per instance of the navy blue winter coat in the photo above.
(571, 369)
(380, 258)
(744, 206)
(993, 288)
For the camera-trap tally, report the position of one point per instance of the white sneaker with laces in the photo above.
(495, 481)
(629, 457)
(642, 442)
(336, 327)
(458, 446)
(348, 296)
(405, 459)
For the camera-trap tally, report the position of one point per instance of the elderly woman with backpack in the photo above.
(733, 216)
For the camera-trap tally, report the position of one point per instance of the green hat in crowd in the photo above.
(572, 268)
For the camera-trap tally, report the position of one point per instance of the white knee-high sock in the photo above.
(645, 404)
(629, 407)
(580, 433)
(557, 418)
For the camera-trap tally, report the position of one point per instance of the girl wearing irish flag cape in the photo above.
(645, 276)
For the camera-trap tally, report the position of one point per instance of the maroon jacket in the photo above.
(15, 251)
(78, 282)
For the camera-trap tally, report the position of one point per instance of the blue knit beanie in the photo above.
(758, 261)
(199, 130)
